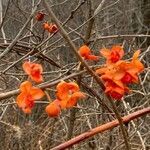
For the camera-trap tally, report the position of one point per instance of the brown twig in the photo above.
(90, 23)
(5, 13)
(74, 110)
(42, 86)
(121, 36)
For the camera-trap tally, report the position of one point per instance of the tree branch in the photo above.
(101, 128)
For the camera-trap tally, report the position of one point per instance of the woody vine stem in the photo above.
(102, 128)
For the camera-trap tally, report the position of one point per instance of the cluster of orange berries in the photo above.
(67, 93)
(116, 74)
(67, 96)
(50, 27)
(28, 93)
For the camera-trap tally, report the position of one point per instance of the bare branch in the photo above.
(102, 128)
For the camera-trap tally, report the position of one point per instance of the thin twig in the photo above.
(42, 86)
(121, 36)
(134, 126)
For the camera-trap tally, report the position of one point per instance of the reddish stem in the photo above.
(101, 129)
